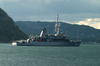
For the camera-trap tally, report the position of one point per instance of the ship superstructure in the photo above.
(45, 39)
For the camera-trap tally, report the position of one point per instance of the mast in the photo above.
(57, 19)
(57, 26)
(77, 34)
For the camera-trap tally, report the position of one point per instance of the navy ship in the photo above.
(45, 39)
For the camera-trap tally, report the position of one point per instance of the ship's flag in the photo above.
(55, 28)
(57, 17)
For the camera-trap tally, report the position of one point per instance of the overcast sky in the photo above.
(85, 12)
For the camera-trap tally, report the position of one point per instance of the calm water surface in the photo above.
(85, 55)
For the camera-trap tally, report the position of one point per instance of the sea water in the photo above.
(85, 55)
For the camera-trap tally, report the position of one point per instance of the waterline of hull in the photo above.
(48, 44)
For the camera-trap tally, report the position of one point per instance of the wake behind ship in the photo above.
(45, 39)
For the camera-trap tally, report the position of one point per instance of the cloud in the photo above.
(93, 22)
(74, 11)
(2, 1)
(54, 6)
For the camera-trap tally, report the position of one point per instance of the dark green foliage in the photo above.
(86, 33)
(8, 29)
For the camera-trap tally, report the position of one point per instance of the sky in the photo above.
(82, 12)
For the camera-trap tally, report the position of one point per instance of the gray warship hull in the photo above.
(45, 39)
(48, 44)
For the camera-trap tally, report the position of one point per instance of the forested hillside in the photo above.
(8, 30)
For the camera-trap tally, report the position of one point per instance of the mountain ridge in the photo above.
(86, 33)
